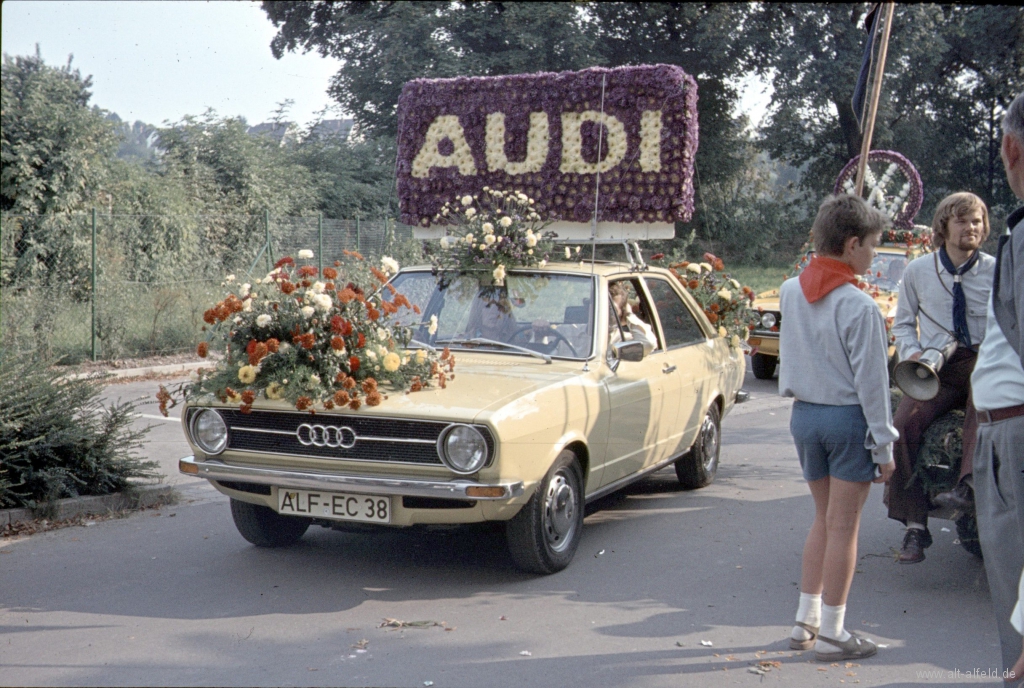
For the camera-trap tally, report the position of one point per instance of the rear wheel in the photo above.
(697, 468)
(544, 535)
(264, 527)
(763, 366)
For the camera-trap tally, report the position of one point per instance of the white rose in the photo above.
(389, 264)
(244, 291)
(490, 239)
(372, 356)
(444, 242)
(247, 305)
(470, 212)
(694, 268)
(318, 287)
(314, 379)
(531, 240)
(307, 311)
(383, 334)
(706, 267)
(499, 275)
(722, 332)
(467, 200)
(263, 320)
(432, 328)
(734, 283)
(487, 227)
(322, 302)
(229, 279)
(505, 222)
(725, 294)
(305, 254)
(469, 238)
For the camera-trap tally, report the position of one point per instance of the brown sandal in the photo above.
(855, 647)
(795, 644)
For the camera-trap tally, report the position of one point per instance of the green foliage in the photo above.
(58, 440)
(951, 71)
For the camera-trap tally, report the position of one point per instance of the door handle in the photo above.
(668, 368)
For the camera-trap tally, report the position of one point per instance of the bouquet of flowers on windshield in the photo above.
(726, 303)
(492, 234)
(316, 340)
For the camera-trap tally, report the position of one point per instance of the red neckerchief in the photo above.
(823, 275)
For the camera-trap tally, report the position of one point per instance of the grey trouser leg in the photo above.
(999, 496)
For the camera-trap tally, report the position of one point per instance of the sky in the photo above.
(157, 61)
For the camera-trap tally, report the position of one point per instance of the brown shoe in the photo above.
(914, 544)
(960, 498)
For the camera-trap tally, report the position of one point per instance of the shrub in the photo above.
(57, 439)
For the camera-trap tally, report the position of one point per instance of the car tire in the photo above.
(697, 468)
(544, 535)
(763, 366)
(264, 527)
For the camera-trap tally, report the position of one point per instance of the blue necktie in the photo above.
(963, 335)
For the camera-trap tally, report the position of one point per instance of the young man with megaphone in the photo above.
(940, 322)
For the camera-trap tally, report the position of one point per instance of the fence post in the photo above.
(320, 240)
(357, 233)
(93, 281)
(266, 229)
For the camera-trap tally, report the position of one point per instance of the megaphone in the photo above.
(920, 379)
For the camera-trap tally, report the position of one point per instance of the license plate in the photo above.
(339, 506)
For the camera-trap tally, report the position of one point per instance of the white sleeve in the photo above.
(642, 332)
(904, 328)
(863, 332)
(1017, 616)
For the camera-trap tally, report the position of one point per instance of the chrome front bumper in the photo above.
(300, 480)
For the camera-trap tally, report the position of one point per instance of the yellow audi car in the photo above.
(552, 405)
(883, 284)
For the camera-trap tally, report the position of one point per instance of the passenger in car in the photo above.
(636, 329)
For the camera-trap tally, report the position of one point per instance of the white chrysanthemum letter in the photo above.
(429, 155)
(537, 141)
(650, 141)
(572, 142)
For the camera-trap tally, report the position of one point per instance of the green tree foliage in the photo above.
(950, 73)
(58, 440)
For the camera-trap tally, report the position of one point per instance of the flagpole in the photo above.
(876, 90)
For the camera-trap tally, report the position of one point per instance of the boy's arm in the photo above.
(864, 338)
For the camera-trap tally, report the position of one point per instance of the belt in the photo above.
(1000, 414)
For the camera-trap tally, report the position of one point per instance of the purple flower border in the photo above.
(627, 194)
(905, 218)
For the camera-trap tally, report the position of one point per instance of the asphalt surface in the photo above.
(668, 588)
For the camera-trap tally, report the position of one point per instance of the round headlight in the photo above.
(209, 431)
(768, 320)
(462, 448)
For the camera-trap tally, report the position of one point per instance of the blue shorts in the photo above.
(830, 442)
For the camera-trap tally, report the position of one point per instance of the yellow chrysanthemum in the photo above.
(275, 390)
(392, 362)
(247, 374)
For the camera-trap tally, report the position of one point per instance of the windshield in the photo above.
(886, 270)
(545, 313)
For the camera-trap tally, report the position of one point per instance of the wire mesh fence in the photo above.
(100, 286)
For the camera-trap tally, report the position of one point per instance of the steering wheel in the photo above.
(539, 346)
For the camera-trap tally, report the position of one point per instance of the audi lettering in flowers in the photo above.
(552, 404)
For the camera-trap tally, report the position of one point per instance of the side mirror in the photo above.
(629, 351)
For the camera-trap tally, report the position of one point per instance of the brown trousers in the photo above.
(908, 501)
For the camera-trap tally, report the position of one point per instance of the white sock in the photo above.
(832, 619)
(918, 526)
(809, 612)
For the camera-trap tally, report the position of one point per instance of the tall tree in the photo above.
(950, 73)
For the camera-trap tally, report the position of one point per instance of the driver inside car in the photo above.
(492, 318)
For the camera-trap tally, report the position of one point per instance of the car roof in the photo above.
(597, 267)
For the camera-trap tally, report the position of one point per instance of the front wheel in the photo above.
(544, 535)
(763, 366)
(264, 527)
(697, 468)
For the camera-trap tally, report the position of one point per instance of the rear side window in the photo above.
(679, 325)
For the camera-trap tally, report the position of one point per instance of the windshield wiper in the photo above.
(493, 342)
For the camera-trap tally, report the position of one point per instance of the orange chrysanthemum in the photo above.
(203, 349)
(373, 398)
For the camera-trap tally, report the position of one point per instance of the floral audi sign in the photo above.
(619, 141)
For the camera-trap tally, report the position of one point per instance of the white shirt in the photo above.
(639, 331)
(998, 378)
(1017, 617)
(925, 289)
(835, 352)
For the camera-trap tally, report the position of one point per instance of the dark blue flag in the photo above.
(860, 92)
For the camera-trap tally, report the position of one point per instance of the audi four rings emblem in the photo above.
(326, 436)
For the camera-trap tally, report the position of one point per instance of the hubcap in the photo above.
(709, 444)
(559, 512)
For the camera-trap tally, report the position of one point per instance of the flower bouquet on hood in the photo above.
(491, 234)
(315, 340)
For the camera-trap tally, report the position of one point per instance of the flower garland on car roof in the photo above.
(316, 340)
(553, 136)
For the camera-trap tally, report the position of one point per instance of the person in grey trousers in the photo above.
(998, 384)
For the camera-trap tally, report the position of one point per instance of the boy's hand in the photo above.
(886, 470)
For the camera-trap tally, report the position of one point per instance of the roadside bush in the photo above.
(57, 439)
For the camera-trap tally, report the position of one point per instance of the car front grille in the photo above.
(365, 438)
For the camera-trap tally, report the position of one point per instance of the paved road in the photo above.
(176, 597)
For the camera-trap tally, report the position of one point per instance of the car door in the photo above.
(688, 353)
(636, 395)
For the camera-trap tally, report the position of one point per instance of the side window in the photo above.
(676, 320)
(636, 301)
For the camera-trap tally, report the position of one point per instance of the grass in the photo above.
(759, 278)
